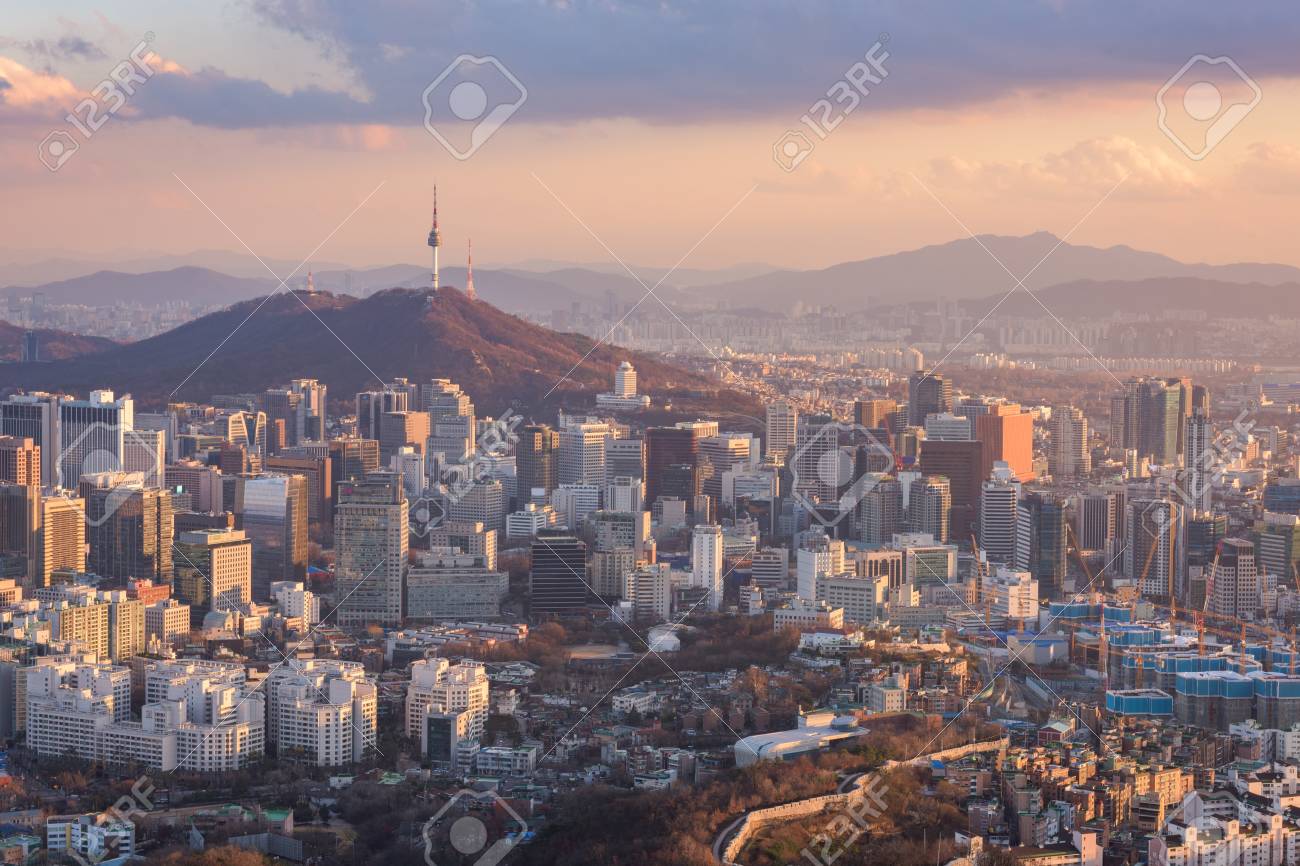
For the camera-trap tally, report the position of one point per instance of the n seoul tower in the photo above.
(434, 240)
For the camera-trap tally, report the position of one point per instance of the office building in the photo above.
(535, 460)
(556, 581)
(274, 519)
(1069, 455)
(927, 394)
(371, 532)
(781, 427)
(214, 571)
(454, 587)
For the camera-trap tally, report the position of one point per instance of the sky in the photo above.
(652, 132)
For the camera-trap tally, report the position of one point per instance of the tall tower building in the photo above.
(92, 435)
(1006, 433)
(1156, 541)
(706, 562)
(927, 394)
(371, 532)
(34, 416)
(129, 528)
(998, 516)
(582, 452)
(1041, 542)
(535, 455)
(1200, 458)
(625, 380)
(929, 504)
(1236, 577)
(1068, 456)
(435, 240)
(274, 517)
(782, 423)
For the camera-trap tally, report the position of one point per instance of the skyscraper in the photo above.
(998, 516)
(371, 532)
(927, 394)
(929, 507)
(92, 435)
(1006, 434)
(274, 518)
(1150, 418)
(556, 577)
(1236, 590)
(670, 448)
(1200, 460)
(535, 455)
(782, 423)
(958, 462)
(874, 414)
(706, 562)
(1041, 542)
(34, 416)
(129, 528)
(1068, 456)
(582, 452)
(1156, 541)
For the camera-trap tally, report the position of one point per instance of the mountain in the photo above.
(513, 291)
(353, 343)
(57, 266)
(963, 269)
(197, 285)
(1085, 298)
(52, 345)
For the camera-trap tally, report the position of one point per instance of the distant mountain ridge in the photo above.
(958, 270)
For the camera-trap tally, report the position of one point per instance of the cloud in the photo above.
(1092, 167)
(669, 61)
(26, 93)
(1272, 169)
(72, 48)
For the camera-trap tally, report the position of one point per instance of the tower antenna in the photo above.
(469, 272)
(435, 240)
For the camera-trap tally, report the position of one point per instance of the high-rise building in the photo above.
(881, 512)
(451, 419)
(92, 435)
(947, 427)
(1068, 456)
(1099, 516)
(1156, 541)
(34, 416)
(929, 507)
(723, 453)
(373, 405)
(1041, 541)
(320, 483)
(1006, 434)
(927, 394)
(1200, 457)
(354, 458)
(959, 462)
(1236, 589)
(582, 452)
(874, 414)
(668, 449)
(20, 528)
(624, 458)
(62, 541)
(323, 710)
(1277, 547)
(556, 581)
(214, 571)
(1150, 418)
(129, 527)
(782, 424)
(20, 461)
(454, 587)
(706, 562)
(535, 458)
(274, 518)
(371, 533)
(998, 516)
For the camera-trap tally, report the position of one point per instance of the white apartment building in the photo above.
(706, 562)
(439, 686)
(324, 710)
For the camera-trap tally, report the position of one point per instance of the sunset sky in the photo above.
(650, 121)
